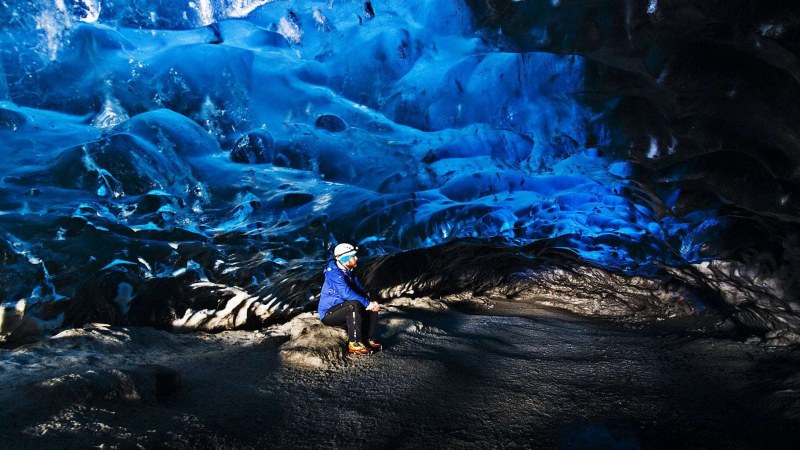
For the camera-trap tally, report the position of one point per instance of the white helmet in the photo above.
(344, 251)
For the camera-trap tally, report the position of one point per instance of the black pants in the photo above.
(352, 313)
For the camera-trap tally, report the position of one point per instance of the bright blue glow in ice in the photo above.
(300, 123)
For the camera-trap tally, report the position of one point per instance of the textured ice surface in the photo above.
(235, 141)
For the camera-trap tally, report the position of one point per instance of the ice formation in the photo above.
(163, 143)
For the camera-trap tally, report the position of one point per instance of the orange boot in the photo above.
(374, 345)
(357, 348)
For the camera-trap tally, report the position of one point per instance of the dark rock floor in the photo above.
(545, 380)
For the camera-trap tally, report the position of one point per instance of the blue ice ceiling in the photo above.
(236, 138)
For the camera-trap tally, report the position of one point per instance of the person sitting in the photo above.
(345, 301)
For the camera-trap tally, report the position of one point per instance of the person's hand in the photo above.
(374, 306)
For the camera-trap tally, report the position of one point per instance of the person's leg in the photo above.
(349, 313)
(368, 325)
(368, 330)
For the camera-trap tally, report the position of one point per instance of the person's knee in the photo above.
(353, 305)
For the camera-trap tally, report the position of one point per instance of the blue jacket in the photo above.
(340, 286)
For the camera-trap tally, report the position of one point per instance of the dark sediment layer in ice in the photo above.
(741, 299)
(751, 294)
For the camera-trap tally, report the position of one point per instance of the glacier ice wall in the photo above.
(153, 144)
